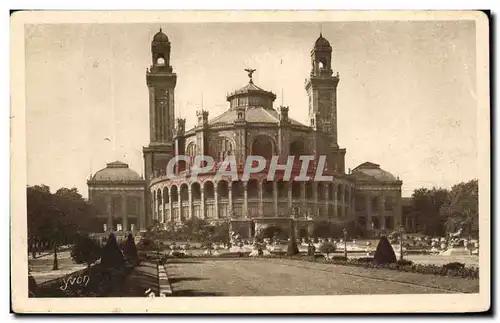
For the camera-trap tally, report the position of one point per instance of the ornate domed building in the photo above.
(253, 126)
(118, 194)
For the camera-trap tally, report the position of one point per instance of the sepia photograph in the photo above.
(262, 161)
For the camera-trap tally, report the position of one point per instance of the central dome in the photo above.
(116, 172)
(371, 171)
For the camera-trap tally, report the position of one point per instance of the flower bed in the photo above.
(450, 269)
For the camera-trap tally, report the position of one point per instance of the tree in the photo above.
(427, 204)
(130, 250)
(112, 256)
(57, 218)
(85, 250)
(384, 253)
(461, 211)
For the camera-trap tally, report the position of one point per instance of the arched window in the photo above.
(262, 146)
(297, 148)
(191, 149)
(223, 148)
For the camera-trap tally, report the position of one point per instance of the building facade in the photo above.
(117, 192)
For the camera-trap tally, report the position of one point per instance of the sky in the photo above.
(406, 97)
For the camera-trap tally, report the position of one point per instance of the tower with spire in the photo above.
(321, 87)
(161, 81)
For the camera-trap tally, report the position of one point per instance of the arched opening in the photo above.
(160, 61)
(223, 189)
(196, 191)
(321, 192)
(191, 150)
(253, 188)
(175, 193)
(209, 190)
(184, 192)
(339, 193)
(282, 189)
(297, 148)
(223, 148)
(237, 190)
(158, 196)
(262, 146)
(267, 189)
(322, 64)
(309, 190)
(296, 190)
(330, 211)
(375, 204)
(330, 192)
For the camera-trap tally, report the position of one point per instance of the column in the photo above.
(336, 201)
(190, 195)
(368, 211)
(275, 198)
(315, 199)
(202, 201)
(325, 193)
(161, 211)
(398, 215)
(216, 198)
(108, 210)
(342, 198)
(170, 207)
(142, 214)
(245, 200)
(290, 205)
(230, 198)
(155, 214)
(303, 197)
(261, 211)
(124, 213)
(381, 207)
(353, 195)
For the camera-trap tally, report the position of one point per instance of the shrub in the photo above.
(384, 253)
(112, 256)
(327, 248)
(454, 266)
(292, 248)
(404, 262)
(32, 286)
(339, 258)
(85, 250)
(130, 250)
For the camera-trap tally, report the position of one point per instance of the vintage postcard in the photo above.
(250, 162)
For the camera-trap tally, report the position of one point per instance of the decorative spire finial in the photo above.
(160, 29)
(250, 73)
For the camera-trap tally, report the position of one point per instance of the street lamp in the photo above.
(401, 230)
(345, 243)
(55, 265)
